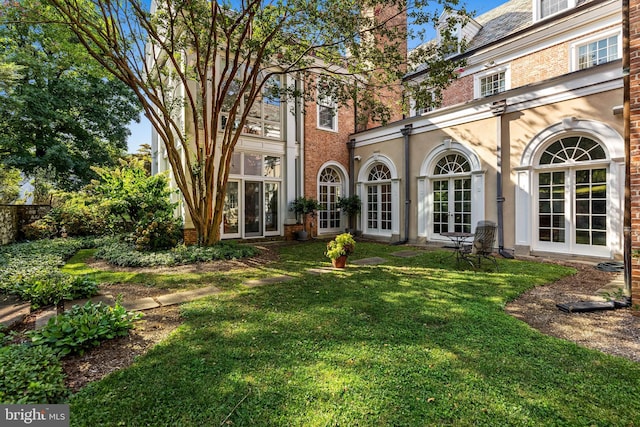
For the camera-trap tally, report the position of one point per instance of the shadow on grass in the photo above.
(404, 343)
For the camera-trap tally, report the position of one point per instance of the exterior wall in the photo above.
(542, 65)
(634, 51)
(322, 146)
(14, 217)
(8, 224)
(540, 56)
(472, 129)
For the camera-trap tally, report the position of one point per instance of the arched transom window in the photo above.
(572, 149)
(329, 175)
(451, 164)
(379, 173)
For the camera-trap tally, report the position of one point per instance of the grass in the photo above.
(411, 342)
(77, 265)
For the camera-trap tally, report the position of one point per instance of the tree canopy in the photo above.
(200, 67)
(59, 109)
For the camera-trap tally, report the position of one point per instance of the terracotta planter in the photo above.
(339, 262)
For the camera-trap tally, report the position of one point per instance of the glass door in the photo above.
(252, 208)
(230, 214)
(271, 206)
(452, 205)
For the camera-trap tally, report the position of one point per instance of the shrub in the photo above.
(84, 326)
(44, 228)
(157, 232)
(30, 374)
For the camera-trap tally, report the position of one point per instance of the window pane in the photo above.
(253, 164)
(230, 210)
(235, 168)
(271, 206)
(272, 166)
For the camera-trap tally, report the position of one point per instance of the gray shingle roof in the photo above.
(505, 19)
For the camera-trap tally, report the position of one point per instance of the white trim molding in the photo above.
(526, 180)
(425, 196)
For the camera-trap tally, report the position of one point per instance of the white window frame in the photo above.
(537, 9)
(574, 47)
(262, 122)
(326, 102)
(477, 80)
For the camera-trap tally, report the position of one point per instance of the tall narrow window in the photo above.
(379, 200)
(329, 190)
(327, 108)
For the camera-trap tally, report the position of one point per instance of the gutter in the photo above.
(406, 131)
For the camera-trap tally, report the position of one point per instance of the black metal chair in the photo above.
(482, 246)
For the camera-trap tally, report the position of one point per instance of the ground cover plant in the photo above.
(413, 341)
(83, 327)
(124, 254)
(30, 270)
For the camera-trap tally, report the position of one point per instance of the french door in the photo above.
(572, 211)
(452, 205)
(379, 208)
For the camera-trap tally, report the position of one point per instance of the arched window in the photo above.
(451, 186)
(572, 192)
(379, 199)
(329, 190)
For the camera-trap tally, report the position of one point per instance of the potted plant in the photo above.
(304, 206)
(340, 248)
(351, 207)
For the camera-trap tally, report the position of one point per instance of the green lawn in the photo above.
(411, 342)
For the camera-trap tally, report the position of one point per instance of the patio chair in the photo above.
(482, 246)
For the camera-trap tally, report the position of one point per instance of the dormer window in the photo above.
(545, 8)
(461, 29)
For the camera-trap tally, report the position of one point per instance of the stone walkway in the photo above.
(13, 311)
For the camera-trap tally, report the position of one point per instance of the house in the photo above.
(286, 150)
(530, 136)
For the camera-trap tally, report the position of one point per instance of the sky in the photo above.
(141, 132)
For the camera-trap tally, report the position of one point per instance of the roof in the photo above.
(499, 23)
(505, 19)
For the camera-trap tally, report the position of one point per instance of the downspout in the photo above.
(626, 115)
(351, 146)
(498, 108)
(406, 131)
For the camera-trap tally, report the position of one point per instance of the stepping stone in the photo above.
(267, 281)
(43, 317)
(180, 297)
(141, 304)
(322, 270)
(12, 314)
(369, 261)
(406, 254)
